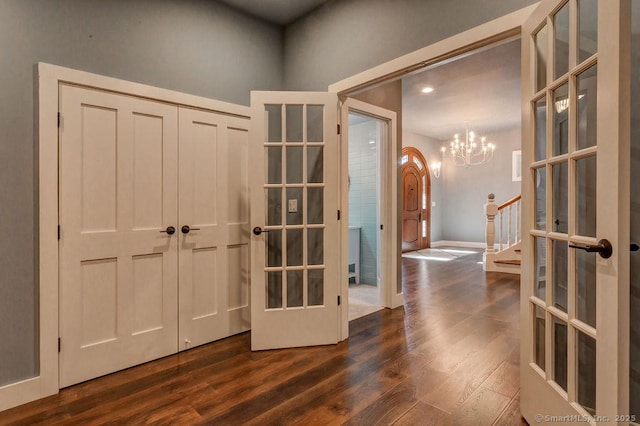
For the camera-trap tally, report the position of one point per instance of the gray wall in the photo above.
(465, 190)
(345, 37)
(193, 46)
(430, 149)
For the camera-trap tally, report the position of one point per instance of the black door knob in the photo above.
(257, 230)
(170, 230)
(185, 229)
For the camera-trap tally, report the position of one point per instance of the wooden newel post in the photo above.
(491, 210)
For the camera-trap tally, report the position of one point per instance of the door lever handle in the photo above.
(170, 230)
(257, 230)
(603, 247)
(185, 229)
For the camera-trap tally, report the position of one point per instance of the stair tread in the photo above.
(508, 262)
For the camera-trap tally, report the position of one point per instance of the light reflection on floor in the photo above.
(440, 254)
(363, 300)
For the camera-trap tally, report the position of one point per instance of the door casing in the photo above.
(388, 253)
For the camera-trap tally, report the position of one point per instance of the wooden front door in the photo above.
(416, 212)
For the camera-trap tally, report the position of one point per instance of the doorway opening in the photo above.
(475, 93)
(364, 187)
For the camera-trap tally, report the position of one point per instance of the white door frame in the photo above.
(49, 77)
(483, 36)
(387, 255)
(486, 35)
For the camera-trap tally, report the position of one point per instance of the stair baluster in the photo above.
(509, 235)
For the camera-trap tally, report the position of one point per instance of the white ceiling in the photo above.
(482, 89)
(281, 12)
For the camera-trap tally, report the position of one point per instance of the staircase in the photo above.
(504, 254)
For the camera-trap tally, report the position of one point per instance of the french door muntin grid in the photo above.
(284, 228)
(569, 317)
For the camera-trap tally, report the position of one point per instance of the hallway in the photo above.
(450, 357)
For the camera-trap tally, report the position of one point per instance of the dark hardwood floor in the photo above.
(450, 356)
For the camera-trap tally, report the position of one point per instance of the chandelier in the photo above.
(470, 151)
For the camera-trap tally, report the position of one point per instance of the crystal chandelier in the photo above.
(469, 152)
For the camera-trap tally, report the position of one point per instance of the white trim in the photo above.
(47, 382)
(49, 77)
(488, 33)
(388, 213)
(87, 79)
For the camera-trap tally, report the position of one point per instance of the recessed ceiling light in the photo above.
(427, 90)
(372, 142)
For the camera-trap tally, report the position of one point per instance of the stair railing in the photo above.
(508, 223)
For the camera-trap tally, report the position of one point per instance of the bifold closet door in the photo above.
(118, 263)
(213, 231)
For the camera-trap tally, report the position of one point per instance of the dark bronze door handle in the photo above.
(603, 247)
(185, 229)
(257, 230)
(170, 230)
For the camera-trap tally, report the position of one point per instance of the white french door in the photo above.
(295, 241)
(118, 271)
(575, 276)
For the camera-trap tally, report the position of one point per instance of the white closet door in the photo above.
(213, 229)
(118, 270)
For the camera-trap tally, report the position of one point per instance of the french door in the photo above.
(575, 277)
(299, 244)
(295, 241)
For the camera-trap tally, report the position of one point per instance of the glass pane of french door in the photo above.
(563, 179)
(294, 192)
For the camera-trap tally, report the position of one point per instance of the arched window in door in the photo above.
(416, 200)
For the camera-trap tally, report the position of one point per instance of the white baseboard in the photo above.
(468, 244)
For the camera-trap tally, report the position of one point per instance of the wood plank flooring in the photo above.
(449, 357)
